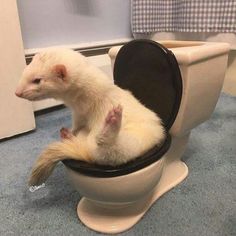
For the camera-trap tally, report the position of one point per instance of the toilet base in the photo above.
(116, 218)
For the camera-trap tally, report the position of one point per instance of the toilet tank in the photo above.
(202, 67)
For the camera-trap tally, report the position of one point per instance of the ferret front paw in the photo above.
(65, 133)
(111, 127)
(113, 120)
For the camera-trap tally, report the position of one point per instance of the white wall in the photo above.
(60, 22)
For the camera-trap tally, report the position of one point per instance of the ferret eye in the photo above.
(36, 81)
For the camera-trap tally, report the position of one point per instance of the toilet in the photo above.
(181, 82)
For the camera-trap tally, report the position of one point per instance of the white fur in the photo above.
(91, 95)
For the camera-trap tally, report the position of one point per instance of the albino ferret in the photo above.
(110, 126)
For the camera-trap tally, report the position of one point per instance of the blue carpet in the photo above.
(204, 204)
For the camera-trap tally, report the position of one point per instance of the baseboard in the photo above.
(47, 103)
(87, 49)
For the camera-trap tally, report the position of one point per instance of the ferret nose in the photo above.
(18, 93)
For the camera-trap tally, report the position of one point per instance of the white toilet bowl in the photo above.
(114, 204)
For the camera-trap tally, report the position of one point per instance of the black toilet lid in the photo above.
(151, 72)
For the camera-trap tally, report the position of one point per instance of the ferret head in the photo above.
(48, 75)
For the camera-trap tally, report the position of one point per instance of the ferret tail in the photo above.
(55, 152)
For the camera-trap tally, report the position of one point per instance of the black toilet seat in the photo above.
(148, 158)
(151, 72)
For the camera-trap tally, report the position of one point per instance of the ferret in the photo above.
(109, 125)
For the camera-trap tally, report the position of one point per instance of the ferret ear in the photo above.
(60, 71)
